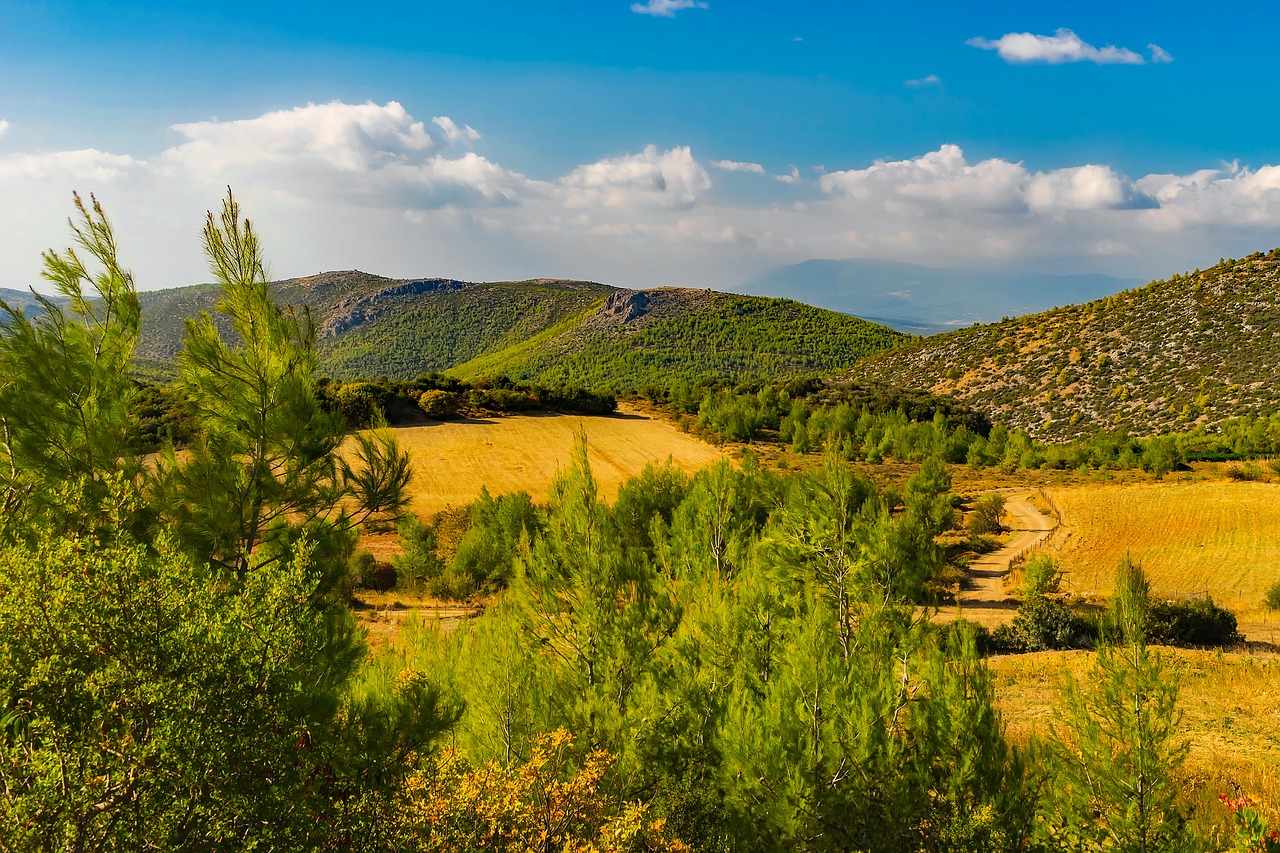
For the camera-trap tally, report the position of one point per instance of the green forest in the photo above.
(738, 660)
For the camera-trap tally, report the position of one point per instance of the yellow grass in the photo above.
(1219, 537)
(1230, 704)
(451, 461)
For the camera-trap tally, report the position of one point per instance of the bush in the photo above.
(438, 405)
(986, 515)
(418, 562)
(1040, 576)
(383, 577)
(1199, 623)
(1272, 601)
(360, 567)
(1043, 624)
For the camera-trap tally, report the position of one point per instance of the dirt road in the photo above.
(982, 598)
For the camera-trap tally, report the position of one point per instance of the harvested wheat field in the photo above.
(452, 461)
(1220, 538)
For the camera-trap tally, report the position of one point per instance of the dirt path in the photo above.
(982, 597)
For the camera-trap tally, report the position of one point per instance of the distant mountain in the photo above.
(24, 300)
(548, 331)
(1194, 349)
(925, 300)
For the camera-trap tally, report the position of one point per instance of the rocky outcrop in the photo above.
(355, 310)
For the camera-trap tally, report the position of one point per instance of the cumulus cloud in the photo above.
(670, 179)
(792, 177)
(929, 80)
(1061, 47)
(367, 153)
(944, 180)
(1159, 55)
(666, 8)
(735, 166)
(454, 134)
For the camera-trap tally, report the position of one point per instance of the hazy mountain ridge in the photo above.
(1191, 349)
(920, 299)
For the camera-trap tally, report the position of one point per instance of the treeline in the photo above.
(163, 413)
(878, 424)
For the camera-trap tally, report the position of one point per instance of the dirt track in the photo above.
(982, 597)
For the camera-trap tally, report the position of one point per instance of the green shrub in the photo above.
(418, 563)
(986, 515)
(1199, 623)
(1272, 601)
(1040, 576)
(438, 405)
(1043, 624)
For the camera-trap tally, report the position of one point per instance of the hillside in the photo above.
(1193, 349)
(542, 330)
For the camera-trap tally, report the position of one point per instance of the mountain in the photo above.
(925, 300)
(548, 331)
(25, 300)
(1193, 349)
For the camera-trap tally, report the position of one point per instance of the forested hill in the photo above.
(547, 331)
(1193, 349)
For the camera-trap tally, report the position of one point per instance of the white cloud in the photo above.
(666, 8)
(337, 186)
(454, 134)
(944, 180)
(735, 166)
(87, 164)
(792, 177)
(930, 80)
(671, 179)
(4, 126)
(368, 154)
(1159, 55)
(1063, 46)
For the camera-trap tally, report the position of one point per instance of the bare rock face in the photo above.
(353, 311)
(625, 306)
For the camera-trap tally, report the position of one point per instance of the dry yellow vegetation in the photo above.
(1219, 537)
(1230, 705)
(452, 461)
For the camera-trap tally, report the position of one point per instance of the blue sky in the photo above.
(597, 139)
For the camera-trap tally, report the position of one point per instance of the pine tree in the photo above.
(1117, 753)
(266, 470)
(64, 384)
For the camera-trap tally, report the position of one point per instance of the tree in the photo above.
(1118, 749)
(266, 471)
(64, 387)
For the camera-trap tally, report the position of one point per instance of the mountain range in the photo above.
(926, 300)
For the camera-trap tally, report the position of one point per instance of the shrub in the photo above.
(1040, 576)
(383, 577)
(1191, 623)
(1043, 624)
(360, 567)
(418, 562)
(438, 405)
(986, 515)
(1272, 601)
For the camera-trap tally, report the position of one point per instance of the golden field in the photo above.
(451, 461)
(1229, 701)
(1219, 536)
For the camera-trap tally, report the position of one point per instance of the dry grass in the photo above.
(452, 461)
(1230, 704)
(1218, 537)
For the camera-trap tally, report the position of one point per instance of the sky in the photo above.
(642, 144)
